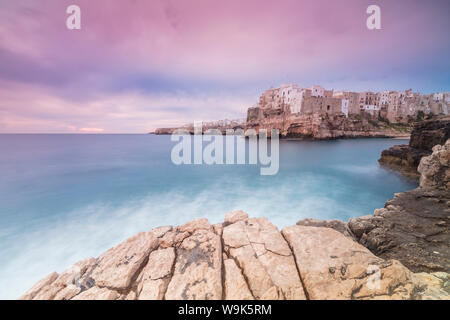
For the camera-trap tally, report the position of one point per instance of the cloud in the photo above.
(30, 108)
(91, 130)
(179, 56)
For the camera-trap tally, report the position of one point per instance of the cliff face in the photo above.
(320, 126)
(435, 169)
(308, 126)
(424, 137)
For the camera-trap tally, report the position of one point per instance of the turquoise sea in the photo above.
(67, 197)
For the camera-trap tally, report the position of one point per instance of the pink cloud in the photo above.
(141, 60)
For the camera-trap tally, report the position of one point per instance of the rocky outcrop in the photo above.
(424, 137)
(435, 169)
(426, 134)
(333, 266)
(413, 227)
(242, 258)
(306, 126)
(324, 126)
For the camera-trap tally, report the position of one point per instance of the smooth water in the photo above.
(68, 197)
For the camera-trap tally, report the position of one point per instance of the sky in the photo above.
(141, 64)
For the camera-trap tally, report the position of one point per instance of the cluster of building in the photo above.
(395, 106)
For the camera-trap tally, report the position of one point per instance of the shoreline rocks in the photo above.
(242, 258)
(413, 227)
(425, 135)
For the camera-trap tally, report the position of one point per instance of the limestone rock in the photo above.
(235, 216)
(435, 169)
(43, 283)
(197, 224)
(424, 136)
(337, 225)
(264, 258)
(117, 266)
(68, 292)
(235, 286)
(154, 278)
(198, 265)
(250, 259)
(333, 266)
(96, 293)
(412, 228)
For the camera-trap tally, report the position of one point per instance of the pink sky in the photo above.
(137, 65)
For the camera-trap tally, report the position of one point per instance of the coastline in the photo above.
(248, 258)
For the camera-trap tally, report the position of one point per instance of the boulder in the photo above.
(435, 169)
(424, 136)
(333, 267)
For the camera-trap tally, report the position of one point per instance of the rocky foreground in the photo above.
(400, 252)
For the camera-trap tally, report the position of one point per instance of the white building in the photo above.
(316, 91)
(384, 98)
(371, 107)
(291, 95)
(438, 96)
(344, 107)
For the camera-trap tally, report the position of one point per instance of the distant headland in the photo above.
(318, 113)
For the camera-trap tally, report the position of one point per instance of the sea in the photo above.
(67, 197)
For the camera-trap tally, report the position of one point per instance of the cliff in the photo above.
(323, 126)
(309, 126)
(401, 252)
(424, 136)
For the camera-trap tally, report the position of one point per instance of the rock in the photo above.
(414, 225)
(403, 158)
(250, 259)
(337, 225)
(361, 225)
(424, 136)
(435, 169)
(198, 266)
(264, 258)
(67, 292)
(235, 216)
(333, 266)
(43, 283)
(195, 225)
(96, 293)
(235, 286)
(155, 277)
(117, 266)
